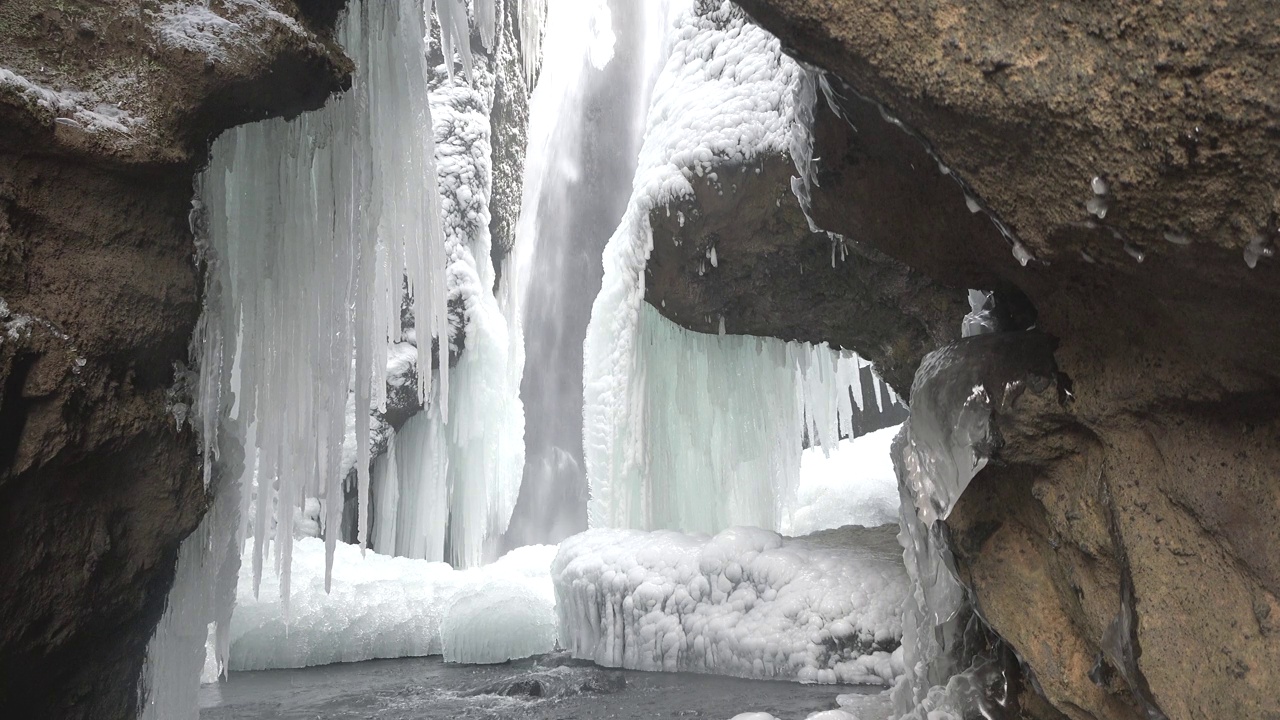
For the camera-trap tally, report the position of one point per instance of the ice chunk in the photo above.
(385, 607)
(746, 602)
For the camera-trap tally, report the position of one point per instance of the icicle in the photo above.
(533, 16)
(452, 15)
(486, 22)
(319, 223)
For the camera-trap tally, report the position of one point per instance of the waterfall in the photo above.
(586, 124)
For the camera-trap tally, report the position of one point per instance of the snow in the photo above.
(823, 715)
(84, 110)
(853, 485)
(746, 602)
(387, 607)
(196, 27)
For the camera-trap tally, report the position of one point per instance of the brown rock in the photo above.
(98, 483)
(1123, 542)
(775, 277)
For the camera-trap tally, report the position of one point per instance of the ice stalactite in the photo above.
(690, 431)
(459, 461)
(321, 236)
(533, 17)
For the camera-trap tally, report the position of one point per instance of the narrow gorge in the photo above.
(344, 333)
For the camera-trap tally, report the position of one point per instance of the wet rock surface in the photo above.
(1123, 536)
(106, 112)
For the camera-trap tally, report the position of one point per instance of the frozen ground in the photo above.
(746, 602)
(852, 485)
(546, 689)
(384, 607)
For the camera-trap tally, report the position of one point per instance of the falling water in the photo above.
(586, 125)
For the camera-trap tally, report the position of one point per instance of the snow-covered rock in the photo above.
(747, 602)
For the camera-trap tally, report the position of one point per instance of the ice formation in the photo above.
(711, 433)
(84, 110)
(746, 602)
(943, 445)
(219, 31)
(326, 240)
(387, 607)
(654, 458)
(854, 484)
(824, 715)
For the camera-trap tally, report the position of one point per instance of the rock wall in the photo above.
(774, 276)
(1123, 539)
(106, 112)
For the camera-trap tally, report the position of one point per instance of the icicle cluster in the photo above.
(713, 436)
(324, 246)
(533, 17)
(317, 224)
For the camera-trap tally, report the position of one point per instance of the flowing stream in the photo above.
(427, 689)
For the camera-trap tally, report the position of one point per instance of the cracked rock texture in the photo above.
(106, 113)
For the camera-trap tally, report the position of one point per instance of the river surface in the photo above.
(543, 689)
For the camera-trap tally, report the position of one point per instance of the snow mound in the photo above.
(387, 607)
(824, 715)
(746, 602)
(852, 485)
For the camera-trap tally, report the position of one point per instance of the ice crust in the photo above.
(853, 485)
(387, 607)
(81, 109)
(746, 602)
(947, 440)
(198, 26)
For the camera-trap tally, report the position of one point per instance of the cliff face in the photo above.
(1124, 541)
(106, 113)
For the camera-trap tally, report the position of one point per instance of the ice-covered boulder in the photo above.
(747, 602)
(386, 607)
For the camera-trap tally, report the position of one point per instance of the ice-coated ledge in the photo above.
(747, 602)
(387, 607)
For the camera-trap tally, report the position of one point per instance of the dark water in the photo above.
(427, 688)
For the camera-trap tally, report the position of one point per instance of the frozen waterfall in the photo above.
(682, 430)
(325, 240)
